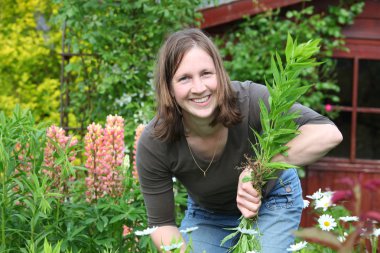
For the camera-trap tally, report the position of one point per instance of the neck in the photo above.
(200, 127)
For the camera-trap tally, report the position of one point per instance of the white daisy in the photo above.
(327, 194)
(342, 238)
(324, 202)
(326, 222)
(316, 195)
(297, 246)
(147, 231)
(188, 230)
(306, 203)
(349, 218)
(172, 246)
(248, 231)
(376, 232)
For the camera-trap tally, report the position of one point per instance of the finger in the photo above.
(248, 206)
(247, 187)
(248, 197)
(248, 213)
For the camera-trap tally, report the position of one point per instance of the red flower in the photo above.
(328, 108)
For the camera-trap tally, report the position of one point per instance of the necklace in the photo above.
(195, 161)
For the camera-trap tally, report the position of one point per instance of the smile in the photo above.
(201, 100)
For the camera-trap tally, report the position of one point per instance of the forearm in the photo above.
(314, 142)
(167, 235)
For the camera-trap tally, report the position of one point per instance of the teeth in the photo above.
(200, 100)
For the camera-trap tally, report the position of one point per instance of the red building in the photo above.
(358, 71)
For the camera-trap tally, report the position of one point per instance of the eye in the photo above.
(207, 73)
(183, 79)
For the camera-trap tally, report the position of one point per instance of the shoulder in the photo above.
(148, 142)
(250, 92)
(249, 89)
(152, 153)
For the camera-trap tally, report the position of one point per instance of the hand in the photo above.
(248, 199)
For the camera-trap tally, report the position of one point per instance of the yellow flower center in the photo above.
(326, 223)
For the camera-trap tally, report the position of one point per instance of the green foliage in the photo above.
(29, 65)
(248, 47)
(121, 40)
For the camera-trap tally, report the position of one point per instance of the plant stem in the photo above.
(3, 207)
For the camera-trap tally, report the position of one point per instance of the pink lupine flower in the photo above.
(24, 164)
(93, 142)
(24, 161)
(328, 108)
(56, 136)
(104, 149)
(139, 130)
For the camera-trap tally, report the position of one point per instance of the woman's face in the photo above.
(194, 84)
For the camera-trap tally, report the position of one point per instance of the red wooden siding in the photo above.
(226, 13)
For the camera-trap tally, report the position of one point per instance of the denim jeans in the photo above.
(279, 215)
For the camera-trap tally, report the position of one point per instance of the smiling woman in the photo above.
(201, 134)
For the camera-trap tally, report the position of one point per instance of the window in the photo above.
(359, 117)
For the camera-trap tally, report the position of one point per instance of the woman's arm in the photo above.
(313, 142)
(165, 235)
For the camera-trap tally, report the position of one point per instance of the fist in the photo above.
(248, 199)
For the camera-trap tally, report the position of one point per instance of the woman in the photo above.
(200, 134)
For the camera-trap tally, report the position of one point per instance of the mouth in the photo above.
(201, 100)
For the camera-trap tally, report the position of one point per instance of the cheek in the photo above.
(179, 92)
(213, 84)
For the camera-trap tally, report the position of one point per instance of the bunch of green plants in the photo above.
(36, 215)
(247, 47)
(116, 43)
(278, 128)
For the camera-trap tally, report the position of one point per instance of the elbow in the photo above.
(336, 137)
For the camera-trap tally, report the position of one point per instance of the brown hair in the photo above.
(168, 119)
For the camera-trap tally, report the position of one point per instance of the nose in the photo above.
(198, 86)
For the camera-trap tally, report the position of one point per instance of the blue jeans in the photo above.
(279, 215)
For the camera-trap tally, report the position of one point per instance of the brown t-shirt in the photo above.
(158, 162)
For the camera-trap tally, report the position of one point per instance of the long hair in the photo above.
(167, 126)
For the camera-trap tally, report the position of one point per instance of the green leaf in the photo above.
(280, 165)
(100, 225)
(247, 179)
(289, 50)
(119, 217)
(228, 237)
